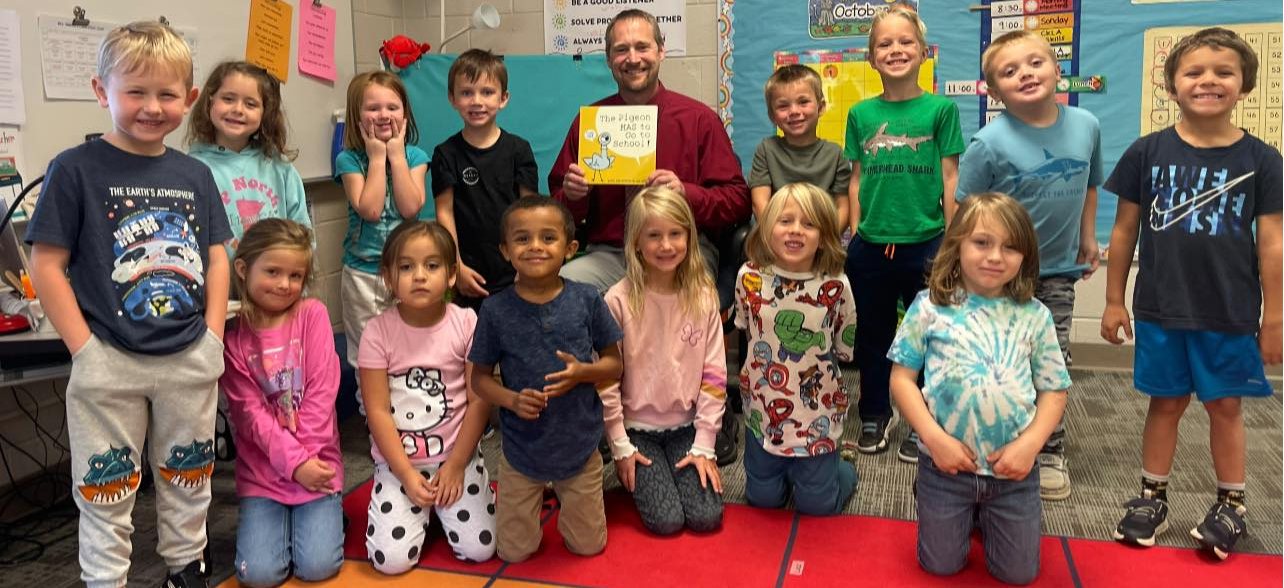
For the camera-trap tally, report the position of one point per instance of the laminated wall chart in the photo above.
(847, 78)
(1258, 112)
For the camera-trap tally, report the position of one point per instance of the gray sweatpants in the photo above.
(116, 400)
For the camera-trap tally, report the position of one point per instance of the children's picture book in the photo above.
(617, 143)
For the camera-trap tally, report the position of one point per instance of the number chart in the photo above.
(1258, 112)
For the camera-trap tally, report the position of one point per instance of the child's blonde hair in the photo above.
(901, 11)
(271, 136)
(695, 287)
(818, 207)
(790, 74)
(143, 46)
(356, 95)
(1218, 38)
(1007, 40)
(261, 237)
(396, 243)
(475, 63)
(945, 283)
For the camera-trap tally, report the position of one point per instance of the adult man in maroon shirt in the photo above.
(693, 157)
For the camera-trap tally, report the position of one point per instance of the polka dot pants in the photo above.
(397, 528)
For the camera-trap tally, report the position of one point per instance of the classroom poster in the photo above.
(316, 41)
(827, 19)
(1258, 112)
(574, 27)
(268, 42)
(617, 143)
(847, 78)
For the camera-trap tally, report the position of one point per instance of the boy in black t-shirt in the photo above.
(478, 172)
(131, 222)
(1196, 190)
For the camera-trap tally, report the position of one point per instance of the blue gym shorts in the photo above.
(1174, 362)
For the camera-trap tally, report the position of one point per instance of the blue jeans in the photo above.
(821, 484)
(1009, 514)
(270, 536)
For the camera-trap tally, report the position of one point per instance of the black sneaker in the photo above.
(873, 434)
(1222, 527)
(908, 451)
(1145, 519)
(192, 576)
(724, 445)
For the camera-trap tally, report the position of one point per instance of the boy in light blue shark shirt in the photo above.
(1048, 157)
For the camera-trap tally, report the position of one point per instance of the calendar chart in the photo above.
(1259, 112)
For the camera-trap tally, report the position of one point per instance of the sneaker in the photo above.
(490, 431)
(1054, 478)
(1145, 519)
(192, 576)
(908, 451)
(724, 445)
(873, 434)
(1222, 527)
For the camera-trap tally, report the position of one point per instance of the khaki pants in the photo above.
(362, 296)
(582, 520)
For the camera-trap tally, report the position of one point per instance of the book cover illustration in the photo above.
(617, 144)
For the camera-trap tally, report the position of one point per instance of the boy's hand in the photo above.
(626, 469)
(528, 404)
(315, 475)
(706, 468)
(448, 483)
(1014, 460)
(1268, 340)
(470, 282)
(1114, 317)
(397, 143)
(563, 381)
(1089, 253)
(418, 489)
(374, 147)
(949, 454)
(573, 183)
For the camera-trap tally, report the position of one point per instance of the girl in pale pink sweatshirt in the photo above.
(664, 414)
(281, 377)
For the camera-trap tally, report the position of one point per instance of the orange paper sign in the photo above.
(268, 42)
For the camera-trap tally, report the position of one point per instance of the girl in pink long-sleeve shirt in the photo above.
(281, 377)
(664, 414)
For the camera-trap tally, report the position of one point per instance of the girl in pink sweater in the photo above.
(281, 377)
(664, 414)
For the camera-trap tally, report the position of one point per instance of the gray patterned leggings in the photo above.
(669, 498)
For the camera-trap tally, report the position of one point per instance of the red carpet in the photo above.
(868, 551)
(767, 548)
(1107, 563)
(745, 552)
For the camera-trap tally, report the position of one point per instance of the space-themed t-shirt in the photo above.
(139, 229)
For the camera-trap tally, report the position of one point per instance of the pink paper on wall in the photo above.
(316, 41)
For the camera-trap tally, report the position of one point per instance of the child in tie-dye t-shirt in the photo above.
(994, 389)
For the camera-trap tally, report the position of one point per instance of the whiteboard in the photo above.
(220, 25)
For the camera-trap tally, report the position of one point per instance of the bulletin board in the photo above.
(545, 94)
(1259, 111)
(55, 125)
(1112, 37)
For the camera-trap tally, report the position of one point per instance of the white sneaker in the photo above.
(1054, 478)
